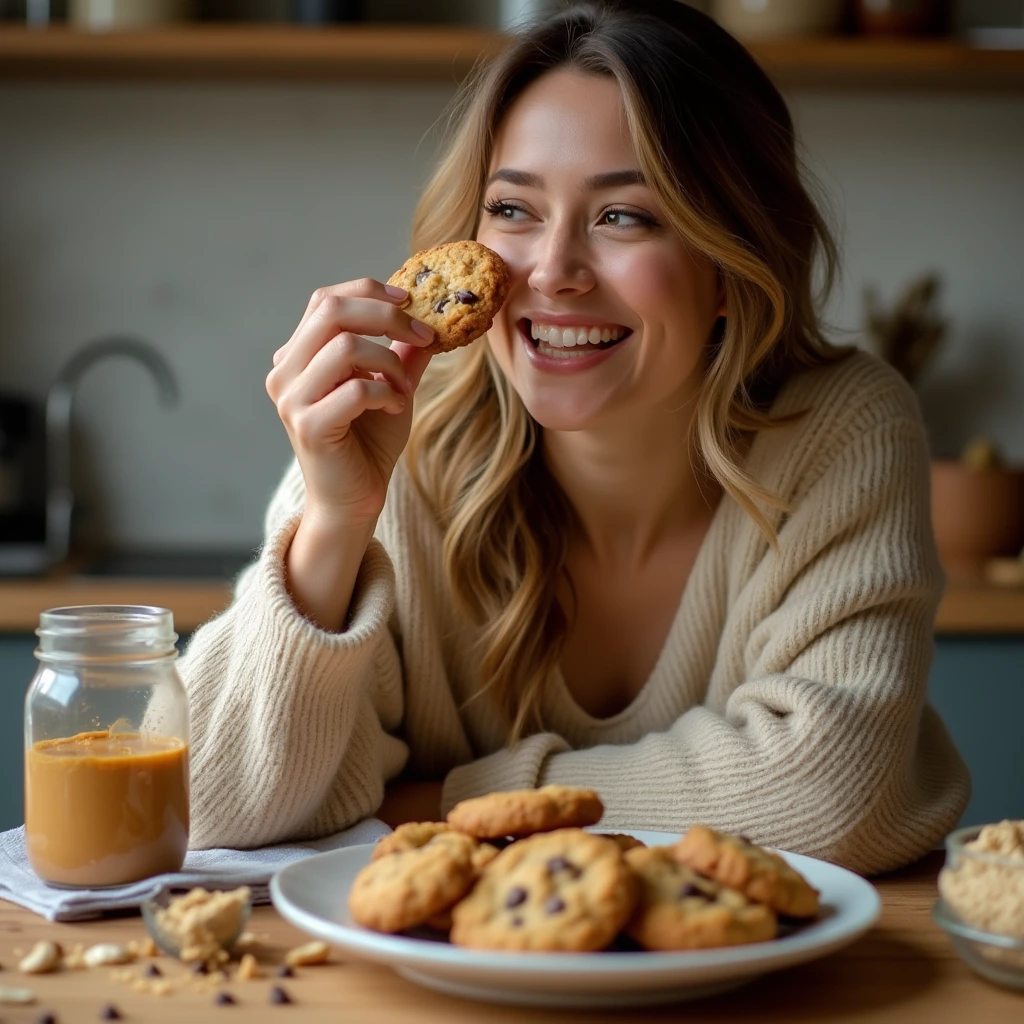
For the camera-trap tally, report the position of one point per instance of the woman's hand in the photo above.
(345, 401)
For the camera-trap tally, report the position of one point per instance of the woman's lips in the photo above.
(552, 359)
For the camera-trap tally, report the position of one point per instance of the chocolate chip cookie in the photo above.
(410, 836)
(521, 812)
(758, 873)
(680, 909)
(404, 889)
(566, 890)
(455, 288)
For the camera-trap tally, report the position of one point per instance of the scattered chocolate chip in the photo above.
(284, 971)
(278, 996)
(423, 275)
(224, 999)
(517, 922)
(46, 1017)
(110, 1012)
(555, 905)
(152, 971)
(440, 304)
(516, 895)
(467, 297)
(744, 839)
(199, 967)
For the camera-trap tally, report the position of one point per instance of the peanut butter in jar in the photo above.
(106, 806)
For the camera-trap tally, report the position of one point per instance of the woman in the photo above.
(653, 535)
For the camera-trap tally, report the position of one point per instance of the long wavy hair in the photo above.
(715, 142)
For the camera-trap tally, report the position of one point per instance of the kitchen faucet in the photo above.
(60, 498)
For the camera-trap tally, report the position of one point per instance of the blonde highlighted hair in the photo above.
(715, 143)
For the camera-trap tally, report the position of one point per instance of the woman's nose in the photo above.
(561, 263)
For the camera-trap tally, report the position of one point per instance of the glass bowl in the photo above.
(982, 901)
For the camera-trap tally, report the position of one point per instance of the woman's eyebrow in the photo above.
(596, 182)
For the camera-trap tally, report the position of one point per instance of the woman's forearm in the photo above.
(321, 567)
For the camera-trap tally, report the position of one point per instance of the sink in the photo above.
(165, 564)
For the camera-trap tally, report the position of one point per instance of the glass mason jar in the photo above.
(106, 748)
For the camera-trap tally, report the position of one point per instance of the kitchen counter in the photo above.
(902, 972)
(965, 610)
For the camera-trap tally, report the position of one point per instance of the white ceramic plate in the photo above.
(313, 895)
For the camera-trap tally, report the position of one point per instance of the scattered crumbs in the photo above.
(278, 996)
(152, 971)
(284, 971)
(147, 947)
(224, 999)
(248, 968)
(110, 1012)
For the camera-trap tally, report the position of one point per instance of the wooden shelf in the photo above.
(225, 52)
(965, 611)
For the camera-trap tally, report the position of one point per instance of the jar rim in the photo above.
(122, 632)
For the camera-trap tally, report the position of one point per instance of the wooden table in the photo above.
(902, 972)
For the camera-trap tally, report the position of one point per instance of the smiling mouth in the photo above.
(559, 342)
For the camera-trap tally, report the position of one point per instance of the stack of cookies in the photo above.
(517, 871)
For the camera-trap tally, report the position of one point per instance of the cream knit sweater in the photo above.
(788, 702)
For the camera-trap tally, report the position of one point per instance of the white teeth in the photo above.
(573, 337)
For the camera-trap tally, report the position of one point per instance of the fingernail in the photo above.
(395, 292)
(422, 329)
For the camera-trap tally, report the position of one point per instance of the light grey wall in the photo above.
(201, 217)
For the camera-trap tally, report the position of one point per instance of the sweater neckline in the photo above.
(656, 680)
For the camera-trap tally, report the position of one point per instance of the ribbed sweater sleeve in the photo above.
(291, 726)
(814, 734)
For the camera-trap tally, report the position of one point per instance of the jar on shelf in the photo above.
(106, 748)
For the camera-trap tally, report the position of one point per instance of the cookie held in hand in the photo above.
(455, 288)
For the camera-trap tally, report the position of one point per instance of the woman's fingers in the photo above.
(378, 315)
(344, 356)
(337, 410)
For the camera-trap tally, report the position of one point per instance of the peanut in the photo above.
(308, 955)
(42, 958)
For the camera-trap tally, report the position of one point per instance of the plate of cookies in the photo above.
(521, 898)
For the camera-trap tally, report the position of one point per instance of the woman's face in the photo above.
(609, 310)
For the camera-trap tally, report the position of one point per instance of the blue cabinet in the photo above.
(976, 684)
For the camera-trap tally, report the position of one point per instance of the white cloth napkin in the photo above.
(212, 869)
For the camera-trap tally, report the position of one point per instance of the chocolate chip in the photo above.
(467, 297)
(278, 996)
(744, 839)
(284, 971)
(152, 971)
(440, 304)
(46, 1017)
(517, 922)
(555, 905)
(423, 275)
(110, 1012)
(689, 889)
(199, 967)
(224, 999)
(556, 864)
(516, 895)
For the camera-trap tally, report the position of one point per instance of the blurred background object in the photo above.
(908, 335)
(977, 500)
(109, 15)
(324, 12)
(901, 17)
(751, 20)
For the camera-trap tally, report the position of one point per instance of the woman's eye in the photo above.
(502, 211)
(625, 219)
